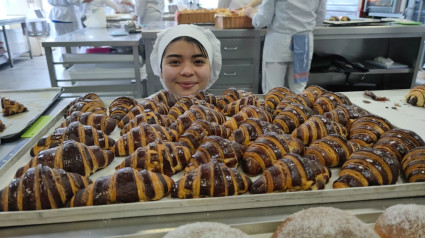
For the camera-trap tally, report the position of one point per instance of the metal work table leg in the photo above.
(51, 66)
(28, 39)
(137, 75)
(7, 46)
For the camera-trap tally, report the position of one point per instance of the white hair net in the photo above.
(204, 36)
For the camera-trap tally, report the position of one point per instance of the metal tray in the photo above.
(186, 207)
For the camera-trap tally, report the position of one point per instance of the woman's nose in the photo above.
(187, 70)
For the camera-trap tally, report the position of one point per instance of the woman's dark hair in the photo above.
(190, 40)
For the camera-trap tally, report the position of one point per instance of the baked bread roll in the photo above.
(148, 117)
(230, 95)
(198, 130)
(246, 112)
(166, 97)
(98, 121)
(88, 96)
(401, 220)
(292, 117)
(399, 141)
(328, 101)
(413, 165)
(91, 103)
(71, 156)
(331, 150)
(267, 149)
(184, 103)
(345, 114)
(194, 113)
(205, 229)
(120, 106)
(416, 96)
(273, 97)
(236, 106)
(311, 92)
(366, 130)
(289, 100)
(11, 107)
(141, 136)
(40, 188)
(124, 186)
(317, 127)
(323, 222)
(251, 129)
(148, 105)
(211, 180)
(292, 173)
(2, 126)
(368, 167)
(205, 96)
(219, 149)
(85, 134)
(163, 157)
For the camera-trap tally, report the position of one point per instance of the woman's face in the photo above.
(184, 69)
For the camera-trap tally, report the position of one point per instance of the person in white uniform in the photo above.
(187, 58)
(288, 46)
(66, 15)
(236, 4)
(148, 10)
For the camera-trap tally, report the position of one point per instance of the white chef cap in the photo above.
(204, 36)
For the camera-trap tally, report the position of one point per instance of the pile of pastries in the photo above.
(223, 145)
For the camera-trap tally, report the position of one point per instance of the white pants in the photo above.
(280, 74)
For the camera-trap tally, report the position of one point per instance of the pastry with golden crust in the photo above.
(11, 107)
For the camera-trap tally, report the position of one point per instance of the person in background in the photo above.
(187, 58)
(127, 6)
(148, 11)
(237, 4)
(66, 15)
(288, 46)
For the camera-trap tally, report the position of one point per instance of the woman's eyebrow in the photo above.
(199, 55)
(173, 56)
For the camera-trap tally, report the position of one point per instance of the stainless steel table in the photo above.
(9, 20)
(96, 37)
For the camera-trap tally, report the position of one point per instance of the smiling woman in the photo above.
(187, 58)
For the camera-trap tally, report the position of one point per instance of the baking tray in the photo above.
(170, 206)
(353, 22)
(37, 101)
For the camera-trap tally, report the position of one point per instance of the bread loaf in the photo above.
(40, 188)
(124, 186)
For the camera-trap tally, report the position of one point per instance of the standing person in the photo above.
(288, 46)
(66, 15)
(187, 58)
(236, 4)
(148, 11)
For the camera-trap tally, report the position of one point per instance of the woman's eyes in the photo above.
(197, 61)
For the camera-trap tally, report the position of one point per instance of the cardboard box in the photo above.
(232, 22)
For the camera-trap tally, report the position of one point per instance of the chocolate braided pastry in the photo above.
(366, 130)
(251, 129)
(148, 105)
(205, 96)
(292, 173)
(163, 157)
(416, 96)
(211, 180)
(124, 186)
(141, 136)
(184, 103)
(98, 121)
(246, 112)
(273, 97)
(192, 137)
(75, 131)
(328, 101)
(311, 92)
(236, 106)
(90, 104)
(345, 114)
(40, 188)
(368, 167)
(398, 142)
(331, 150)
(413, 165)
(194, 113)
(219, 149)
(166, 97)
(11, 107)
(292, 117)
(289, 100)
(317, 127)
(267, 149)
(2, 126)
(71, 156)
(230, 95)
(120, 106)
(148, 117)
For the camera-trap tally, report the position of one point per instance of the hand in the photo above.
(128, 3)
(250, 12)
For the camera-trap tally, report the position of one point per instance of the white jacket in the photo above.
(232, 4)
(283, 19)
(147, 9)
(65, 10)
